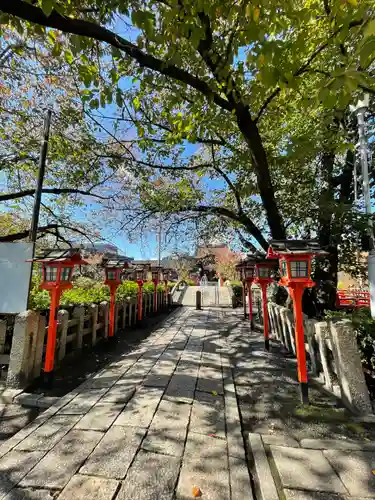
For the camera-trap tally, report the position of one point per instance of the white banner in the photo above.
(14, 276)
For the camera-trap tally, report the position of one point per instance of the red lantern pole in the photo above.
(112, 306)
(250, 298)
(140, 299)
(265, 316)
(156, 282)
(297, 292)
(49, 363)
(244, 298)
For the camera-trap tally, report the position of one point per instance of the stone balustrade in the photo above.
(78, 326)
(333, 355)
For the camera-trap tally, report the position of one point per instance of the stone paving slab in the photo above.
(316, 495)
(168, 429)
(204, 466)
(355, 470)
(82, 403)
(48, 434)
(29, 494)
(86, 487)
(151, 477)
(239, 479)
(207, 415)
(118, 394)
(337, 444)
(14, 466)
(306, 469)
(141, 408)
(132, 440)
(100, 417)
(57, 467)
(113, 456)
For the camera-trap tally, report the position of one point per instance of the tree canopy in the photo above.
(222, 113)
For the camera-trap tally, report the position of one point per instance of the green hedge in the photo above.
(86, 291)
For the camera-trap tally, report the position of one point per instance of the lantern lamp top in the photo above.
(279, 248)
(54, 256)
(118, 262)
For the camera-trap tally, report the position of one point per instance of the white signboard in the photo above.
(14, 276)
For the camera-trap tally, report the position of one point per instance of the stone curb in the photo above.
(29, 400)
(265, 481)
(335, 444)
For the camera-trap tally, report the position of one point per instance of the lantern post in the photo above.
(295, 258)
(113, 269)
(155, 272)
(247, 270)
(263, 272)
(57, 272)
(141, 276)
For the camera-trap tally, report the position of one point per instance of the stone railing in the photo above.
(78, 326)
(333, 355)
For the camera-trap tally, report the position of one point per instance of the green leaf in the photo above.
(94, 104)
(369, 29)
(68, 56)
(48, 6)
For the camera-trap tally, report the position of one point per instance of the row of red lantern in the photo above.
(57, 273)
(294, 259)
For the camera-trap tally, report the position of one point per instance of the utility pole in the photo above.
(360, 110)
(159, 242)
(38, 191)
(41, 172)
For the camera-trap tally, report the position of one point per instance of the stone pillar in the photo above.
(39, 347)
(94, 311)
(291, 329)
(353, 387)
(63, 319)
(79, 314)
(25, 330)
(105, 318)
(322, 332)
(285, 328)
(309, 332)
(3, 333)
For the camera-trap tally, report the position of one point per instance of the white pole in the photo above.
(360, 110)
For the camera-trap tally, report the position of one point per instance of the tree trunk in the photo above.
(261, 168)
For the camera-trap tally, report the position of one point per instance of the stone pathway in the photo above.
(164, 419)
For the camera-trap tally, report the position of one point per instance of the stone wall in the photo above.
(77, 327)
(333, 355)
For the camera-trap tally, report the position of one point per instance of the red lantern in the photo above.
(57, 272)
(247, 272)
(263, 276)
(113, 271)
(141, 276)
(295, 268)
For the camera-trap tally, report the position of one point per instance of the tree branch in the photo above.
(227, 180)
(31, 192)
(229, 214)
(304, 66)
(90, 29)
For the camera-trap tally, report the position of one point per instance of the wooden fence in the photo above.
(78, 326)
(332, 352)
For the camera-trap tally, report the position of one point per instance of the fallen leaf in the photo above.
(212, 435)
(214, 393)
(373, 472)
(197, 492)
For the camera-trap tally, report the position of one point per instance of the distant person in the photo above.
(204, 280)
